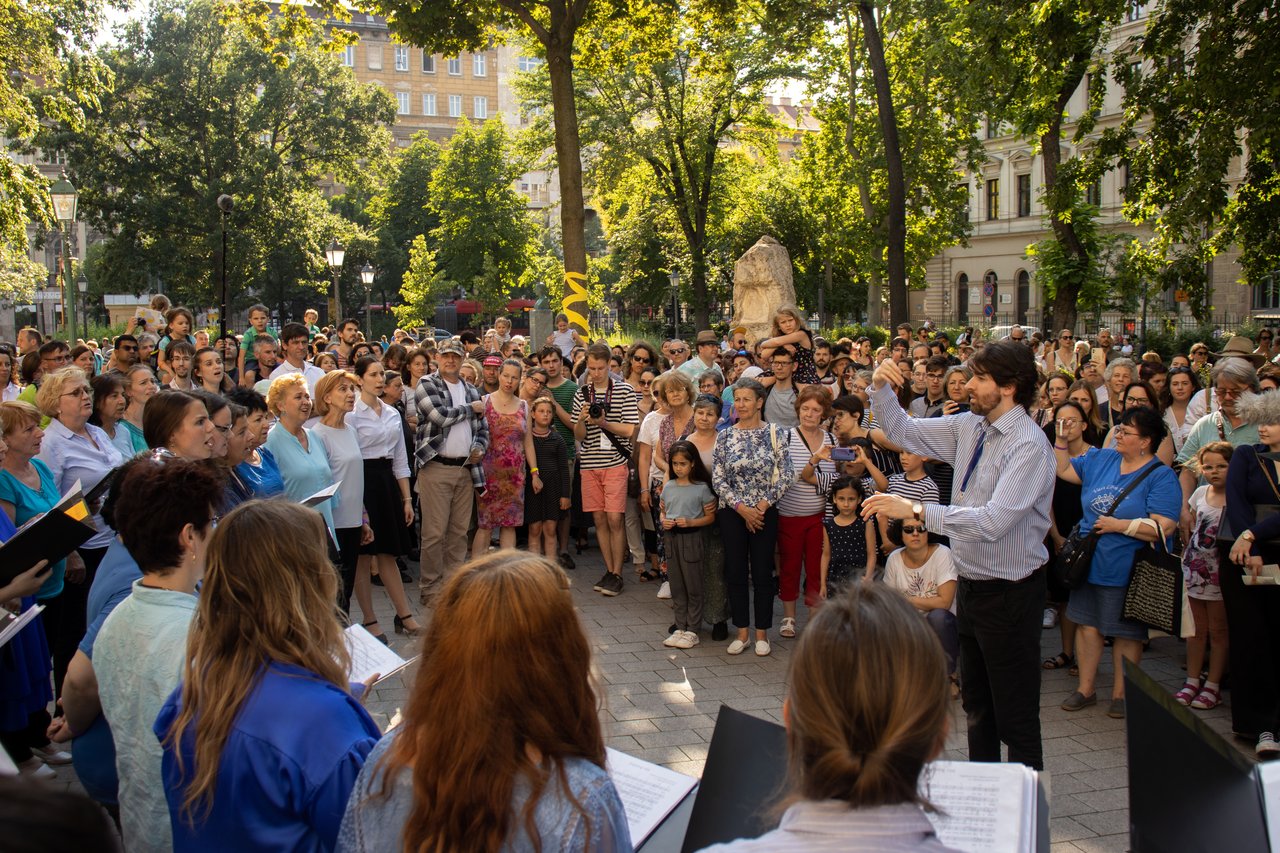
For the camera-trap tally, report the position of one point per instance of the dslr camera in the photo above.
(596, 411)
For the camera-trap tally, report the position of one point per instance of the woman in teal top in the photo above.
(303, 463)
(139, 387)
(27, 486)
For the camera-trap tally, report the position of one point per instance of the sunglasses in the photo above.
(1067, 338)
(640, 359)
(912, 529)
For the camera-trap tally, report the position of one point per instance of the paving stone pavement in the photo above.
(660, 704)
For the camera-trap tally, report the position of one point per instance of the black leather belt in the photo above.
(456, 461)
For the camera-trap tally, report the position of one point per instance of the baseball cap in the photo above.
(449, 346)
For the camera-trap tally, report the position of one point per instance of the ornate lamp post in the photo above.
(82, 284)
(335, 255)
(367, 272)
(64, 197)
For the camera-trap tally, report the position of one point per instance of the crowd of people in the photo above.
(262, 485)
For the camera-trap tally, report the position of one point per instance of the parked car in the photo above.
(999, 333)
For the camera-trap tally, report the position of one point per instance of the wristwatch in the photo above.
(1247, 536)
(917, 509)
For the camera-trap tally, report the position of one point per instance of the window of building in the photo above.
(349, 56)
(428, 105)
(479, 67)
(428, 63)
(1024, 195)
(401, 57)
(527, 63)
(402, 103)
(454, 66)
(993, 129)
(993, 198)
(1266, 294)
(968, 211)
(1093, 194)
(455, 106)
(962, 299)
(1137, 8)
(373, 55)
(480, 107)
(1024, 296)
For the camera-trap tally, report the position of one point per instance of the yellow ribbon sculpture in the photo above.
(575, 291)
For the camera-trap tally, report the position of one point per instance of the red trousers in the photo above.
(800, 543)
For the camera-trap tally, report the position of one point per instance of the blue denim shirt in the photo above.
(373, 823)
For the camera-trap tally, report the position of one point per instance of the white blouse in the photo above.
(381, 435)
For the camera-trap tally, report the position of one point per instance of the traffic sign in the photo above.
(988, 311)
(988, 290)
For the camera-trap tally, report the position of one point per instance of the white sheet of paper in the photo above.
(322, 495)
(11, 624)
(648, 791)
(604, 441)
(986, 806)
(1269, 776)
(369, 656)
(1268, 575)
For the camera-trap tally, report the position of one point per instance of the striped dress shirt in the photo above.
(997, 523)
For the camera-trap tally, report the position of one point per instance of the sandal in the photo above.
(649, 574)
(1190, 689)
(1207, 698)
(788, 628)
(1058, 661)
(1074, 670)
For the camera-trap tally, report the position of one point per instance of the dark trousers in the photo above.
(64, 616)
(999, 623)
(748, 562)
(348, 559)
(19, 742)
(1253, 626)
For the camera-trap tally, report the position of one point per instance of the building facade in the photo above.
(991, 280)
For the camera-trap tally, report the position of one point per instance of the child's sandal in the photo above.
(1207, 698)
(1190, 690)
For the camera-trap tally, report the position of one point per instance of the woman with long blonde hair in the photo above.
(497, 751)
(263, 739)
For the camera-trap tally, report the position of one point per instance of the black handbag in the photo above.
(1154, 594)
(1076, 556)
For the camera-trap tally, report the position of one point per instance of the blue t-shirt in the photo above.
(686, 501)
(263, 480)
(27, 504)
(1159, 494)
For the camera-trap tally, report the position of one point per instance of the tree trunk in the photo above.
(569, 164)
(896, 254)
(1067, 292)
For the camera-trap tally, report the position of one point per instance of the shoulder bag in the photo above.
(1076, 556)
(1156, 589)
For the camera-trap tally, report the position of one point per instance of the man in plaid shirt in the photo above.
(452, 439)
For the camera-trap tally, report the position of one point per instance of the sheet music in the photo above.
(369, 656)
(1269, 776)
(1268, 575)
(648, 791)
(987, 808)
(322, 495)
(12, 623)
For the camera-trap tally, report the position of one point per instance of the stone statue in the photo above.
(761, 283)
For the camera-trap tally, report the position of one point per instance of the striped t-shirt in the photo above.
(597, 451)
(924, 490)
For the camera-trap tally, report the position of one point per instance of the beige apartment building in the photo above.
(992, 281)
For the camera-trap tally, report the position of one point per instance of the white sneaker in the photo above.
(34, 768)
(788, 628)
(673, 642)
(664, 591)
(51, 754)
(1050, 618)
(1267, 746)
(737, 647)
(684, 639)
(762, 648)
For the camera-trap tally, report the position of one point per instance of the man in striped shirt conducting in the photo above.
(997, 522)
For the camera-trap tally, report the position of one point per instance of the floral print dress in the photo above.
(502, 503)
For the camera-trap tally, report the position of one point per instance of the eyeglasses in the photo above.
(79, 392)
(127, 348)
(1128, 433)
(1229, 392)
(1137, 401)
(641, 359)
(225, 430)
(935, 375)
(679, 351)
(1069, 423)
(645, 383)
(1067, 338)
(1199, 352)
(541, 383)
(912, 529)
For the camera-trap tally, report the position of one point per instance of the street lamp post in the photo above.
(226, 204)
(82, 284)
(64, 198)
(675, 304)
(367, 272)
(335, 255)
